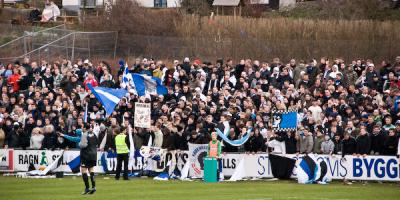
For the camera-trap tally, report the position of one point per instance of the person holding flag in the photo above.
(214, 151)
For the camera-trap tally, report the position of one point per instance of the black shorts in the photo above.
(88, 163)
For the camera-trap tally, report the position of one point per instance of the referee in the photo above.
(88, 145)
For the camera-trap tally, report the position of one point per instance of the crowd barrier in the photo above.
(380, 168)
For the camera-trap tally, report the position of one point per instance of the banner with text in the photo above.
(6, 160)
(197, 153)
(142, 117)
(383, 168)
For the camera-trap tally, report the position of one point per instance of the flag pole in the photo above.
(86, 113)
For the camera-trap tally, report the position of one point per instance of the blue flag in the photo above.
(108, 97)
(396, 103)
(127, 78)
(75, 164)
(104, 159)
(284, 120)
(148, 85)
(238, 142)
(85, 117)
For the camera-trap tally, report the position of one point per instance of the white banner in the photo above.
(6, 160)
(383, 168)
(142, 115)
(42, 158)
(197, 152)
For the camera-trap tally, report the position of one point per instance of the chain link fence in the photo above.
(211, 48)
(59, 42)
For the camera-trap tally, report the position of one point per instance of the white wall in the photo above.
(287, 3)
(150, 3)
(173, 3)
(259, 1)
(146, 3)
(78, 2)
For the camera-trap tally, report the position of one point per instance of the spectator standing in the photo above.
(349, 145)
(327, 146)
(36, 138)
(319, 139)
(337, 145)
(363, 142)
(377, 141)
(390, 143)
(305, 142)
(290, 142)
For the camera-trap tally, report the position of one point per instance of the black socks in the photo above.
(92, 179)
(86, 180)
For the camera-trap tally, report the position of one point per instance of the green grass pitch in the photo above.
(143, 188)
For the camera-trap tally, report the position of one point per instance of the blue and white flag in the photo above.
(309, 170)
(148, 85)
(237, 142)
(127, 79)
(108, 161)
(85, 116)
(284, 120)
(108, 97)
(75, 164)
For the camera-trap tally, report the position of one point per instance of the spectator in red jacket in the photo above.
(90, 79)
(13, 80)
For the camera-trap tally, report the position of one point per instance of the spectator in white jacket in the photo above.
(158, 135)
(36, 138)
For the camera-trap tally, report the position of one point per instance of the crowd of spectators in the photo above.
(343, 107)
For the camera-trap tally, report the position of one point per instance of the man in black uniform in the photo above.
(88, 145)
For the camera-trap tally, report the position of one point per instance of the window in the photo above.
(160, 3)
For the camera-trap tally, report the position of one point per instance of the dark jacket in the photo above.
(186, 66)
(12, 139)
(312, 72)
(49, 140)
(180, 142)
(24, 82)
(363, 144)
(348, 146)
(229, 148)
(338, 146)
(377, 143)
(24, 138)
(258, 143)
(90, 151)
(390, 145)
(290, 144)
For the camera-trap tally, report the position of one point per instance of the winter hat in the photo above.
(121, 62)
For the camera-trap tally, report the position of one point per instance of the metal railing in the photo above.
(57, 42)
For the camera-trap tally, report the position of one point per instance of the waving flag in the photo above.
(237, 142)
(127, 78)
(284, 120)
(148, 85)
(309, 170)
(54, 165)
(74, 164)
(85, 116)
(108, 97)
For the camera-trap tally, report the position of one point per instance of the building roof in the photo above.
(226, 2)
